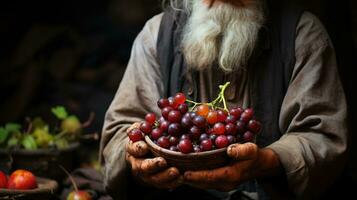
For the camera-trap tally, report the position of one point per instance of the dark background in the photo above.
(74, 52)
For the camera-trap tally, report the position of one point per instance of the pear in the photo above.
(71, 125)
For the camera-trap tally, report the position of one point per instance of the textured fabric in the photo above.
(312, 116)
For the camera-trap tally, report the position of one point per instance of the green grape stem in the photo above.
(215, 103)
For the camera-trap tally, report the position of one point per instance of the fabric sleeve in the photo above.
(137, 95)
(313, 115)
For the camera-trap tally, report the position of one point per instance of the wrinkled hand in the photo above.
(249, 162)
(151, 171)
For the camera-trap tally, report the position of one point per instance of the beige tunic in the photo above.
(312, 118)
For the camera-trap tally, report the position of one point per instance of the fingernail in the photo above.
(161, 162)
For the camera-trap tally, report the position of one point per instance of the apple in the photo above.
(76, 194)
(22, 180)
(3, 180)
(79, 195)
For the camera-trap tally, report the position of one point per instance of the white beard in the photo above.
(222, 34)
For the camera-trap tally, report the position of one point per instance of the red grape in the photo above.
(150, 118)
(165, 112)
(180, 98)
(173, 140)
(193, 115)
(247, 115)
(183, 108)
(221, 115)
(145, 127)
(164, 142)
(156, 133)
(135, 135)
(172, 102)
(162, 103)
(186, 122)
(164, 125)
(219, 128)
(212, 117)
(254, 126)
(241, 127)
(231, 119)
(194, 130)
(248, 136)
(174, 129)
(185, 136)
(231, 129)
(221, 141)
(231, 139)
(174, 116)
(195, 135)
(206, 145)
(203, 136)
(236, 112)
(185, 146)
(199, 121)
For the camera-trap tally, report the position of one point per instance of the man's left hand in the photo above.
(249, 162)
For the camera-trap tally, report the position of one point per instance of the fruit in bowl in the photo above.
(195, 136)
(22, 180)
(23, 184)
(3, 180)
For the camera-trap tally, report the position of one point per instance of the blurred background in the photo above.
(74, 53)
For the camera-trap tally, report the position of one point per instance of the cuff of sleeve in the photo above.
(115, 176)
(290, 153)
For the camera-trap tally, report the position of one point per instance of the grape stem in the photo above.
(214, 104)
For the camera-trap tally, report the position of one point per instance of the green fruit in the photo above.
(61, 143)
(42, 137)
(71, 125)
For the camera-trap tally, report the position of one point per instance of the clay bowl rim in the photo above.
(156, 147)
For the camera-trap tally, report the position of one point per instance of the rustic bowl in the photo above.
(46, 190)
(42, 162)
(192, 161)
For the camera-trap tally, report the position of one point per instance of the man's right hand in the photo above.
(151, 171)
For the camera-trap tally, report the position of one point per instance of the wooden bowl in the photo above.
(192, 161)
(46, 190)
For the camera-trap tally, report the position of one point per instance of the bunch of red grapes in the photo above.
(202, 129)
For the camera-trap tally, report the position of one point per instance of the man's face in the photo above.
(222, 32)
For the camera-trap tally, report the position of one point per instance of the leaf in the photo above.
(60, 112)
(29, 142)
(12, 142)
(13, 127)
(3, 135)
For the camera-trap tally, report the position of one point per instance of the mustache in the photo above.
(234, 3)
